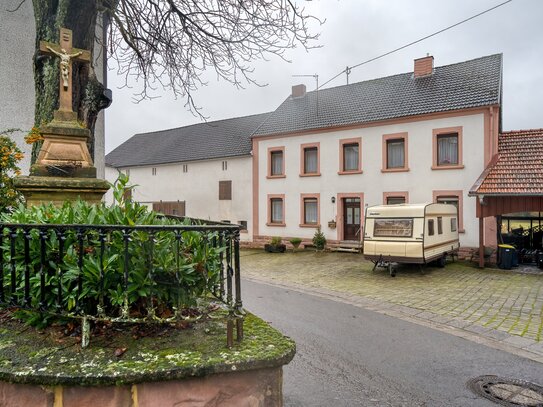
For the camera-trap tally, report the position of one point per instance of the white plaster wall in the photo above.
(419, 181)
(199, 188)
(17, 42)
(17, 39)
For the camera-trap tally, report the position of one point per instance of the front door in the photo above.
(351, 218)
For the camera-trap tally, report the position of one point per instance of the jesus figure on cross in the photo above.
(64, 64)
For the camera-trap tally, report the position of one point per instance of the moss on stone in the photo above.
(28, 356)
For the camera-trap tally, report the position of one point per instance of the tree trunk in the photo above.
(81, 17)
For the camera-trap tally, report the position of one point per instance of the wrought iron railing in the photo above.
(104, 272)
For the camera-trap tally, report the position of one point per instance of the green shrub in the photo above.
(295, 241)
(276, 240)
(319, 240)
(182, 270)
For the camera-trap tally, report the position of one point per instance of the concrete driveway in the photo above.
(502, 307)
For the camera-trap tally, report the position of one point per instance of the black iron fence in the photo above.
(121, 273)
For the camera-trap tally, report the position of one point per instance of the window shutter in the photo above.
(225, 190)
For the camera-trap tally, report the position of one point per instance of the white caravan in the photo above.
(410, 233)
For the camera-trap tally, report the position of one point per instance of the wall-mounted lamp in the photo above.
(481, 200)
(333, 199)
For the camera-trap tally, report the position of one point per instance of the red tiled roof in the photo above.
(517, 169)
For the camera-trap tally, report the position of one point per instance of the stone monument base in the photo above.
(57, 190)
(254, 388)
(186, 367)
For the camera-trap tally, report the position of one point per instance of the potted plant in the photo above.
(319, 241)
(295, 242)
(275, 245)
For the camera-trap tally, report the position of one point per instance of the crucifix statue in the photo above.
(67, 55)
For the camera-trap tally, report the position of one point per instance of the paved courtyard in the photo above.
(502, 305)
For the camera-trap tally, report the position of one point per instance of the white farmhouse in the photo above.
(322, 157)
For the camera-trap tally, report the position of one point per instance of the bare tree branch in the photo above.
(16, 8)
(171, 43)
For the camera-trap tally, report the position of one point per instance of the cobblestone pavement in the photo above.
(502, 306)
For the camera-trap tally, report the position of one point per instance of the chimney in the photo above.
(298, 91)
(424, 66)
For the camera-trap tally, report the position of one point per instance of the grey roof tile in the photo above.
(221, 138)
(458, 86)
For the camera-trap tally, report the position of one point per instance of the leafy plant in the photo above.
(319, 240)
(295, 241)
(276, 240)
(166, 270)
(10, 155)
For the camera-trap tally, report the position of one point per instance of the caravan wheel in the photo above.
(391, 270)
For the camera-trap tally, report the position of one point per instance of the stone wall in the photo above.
(253, 388)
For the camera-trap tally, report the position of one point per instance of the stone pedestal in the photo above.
(64, 170)
(57, 190)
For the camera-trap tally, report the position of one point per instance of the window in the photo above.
(276, 163)
(453, 197)
(276, 213)
(153, 171)
(450, 200)
(430, 227)
(243, 224)
(185, 168)
(224, 165)
(309, 161)
(393, 228)
(453, 224)
(395, 197)
(225, 190)
(311, 211)
(350, 156)
(395, 200)
(439, 225)
(394, 152)
(447, 148)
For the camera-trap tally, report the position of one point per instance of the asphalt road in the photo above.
(348, 356)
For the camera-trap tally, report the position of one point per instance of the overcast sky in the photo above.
(357, 30)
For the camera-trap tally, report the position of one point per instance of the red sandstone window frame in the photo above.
(396, 194)
(303, 198)
(342, 144)
(389, 138)
(303, 148)
(455, 194)
(272, 150)
(269, 215)
(442, 132)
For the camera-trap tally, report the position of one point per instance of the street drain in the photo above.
(507, 392)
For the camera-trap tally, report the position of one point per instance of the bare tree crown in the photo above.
(170, 43)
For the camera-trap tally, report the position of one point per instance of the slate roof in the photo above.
(517, 169)
(202, 141)
(458, 86)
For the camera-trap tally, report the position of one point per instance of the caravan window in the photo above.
(453, 224)
(393, 228)
(430, 227)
